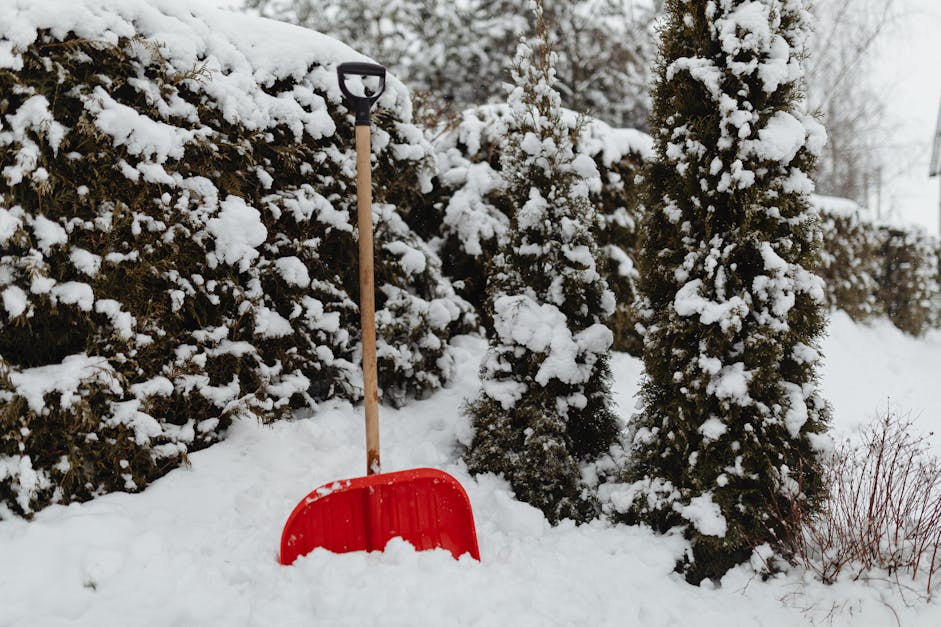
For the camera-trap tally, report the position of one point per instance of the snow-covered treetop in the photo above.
(489, 124)
(759, 47)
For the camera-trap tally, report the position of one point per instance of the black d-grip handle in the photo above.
(361, 104)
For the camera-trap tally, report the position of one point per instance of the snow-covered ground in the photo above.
(199, 547)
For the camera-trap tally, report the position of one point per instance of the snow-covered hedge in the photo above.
(850, 258)
(937, 296)
(176, 242)
(873, 269)
(909, 284)
(468, 210)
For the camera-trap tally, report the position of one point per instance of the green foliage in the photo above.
(872, 269)
(731, 409)
(908, 285)
(937, 294)
(544, 408)
(470, 206)
(188, 277)
(851, 263)
(620, 211)
(532, 450)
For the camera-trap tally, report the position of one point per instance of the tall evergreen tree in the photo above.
(544, 407)
(730, 427)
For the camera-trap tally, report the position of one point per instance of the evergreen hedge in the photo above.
(873, 269)
(176, 242)
(908, 285)
(850, 259)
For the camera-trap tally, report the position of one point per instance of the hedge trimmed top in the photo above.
(244, 54)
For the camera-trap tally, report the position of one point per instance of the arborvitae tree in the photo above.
(544, 407)
(467, 211)
(730, 426)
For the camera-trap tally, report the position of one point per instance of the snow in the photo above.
(542, 328)
(780, 140)
(748, 29)
(85, 262)
(468, 214)
(533, 211)
(14, 301)
(48, 233)
(411, 259)
(293, 271)
(122, 321)
(199, 547)
(41, 285)
(796, 415)
(731, 382)
(704, 514)
(158, 386)
(306, 203)
(703, 70)
(27, 477)
(238, 231)
(9, 223)
(728, 314)
(867, 369)
(33, 115)
(139, 134)
(269, 323)
(65, 378)
(74, 293)
(145, 426)
(713, 429)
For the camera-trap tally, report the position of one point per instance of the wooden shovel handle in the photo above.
(367, 297)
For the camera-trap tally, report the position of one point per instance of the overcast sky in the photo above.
(911, 71)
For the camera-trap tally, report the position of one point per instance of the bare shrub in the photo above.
(882, 514)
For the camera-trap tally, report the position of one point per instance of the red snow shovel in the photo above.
(424, 506)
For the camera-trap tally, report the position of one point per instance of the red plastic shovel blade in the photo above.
(426, 507)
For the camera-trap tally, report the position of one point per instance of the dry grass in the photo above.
(883, 511)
